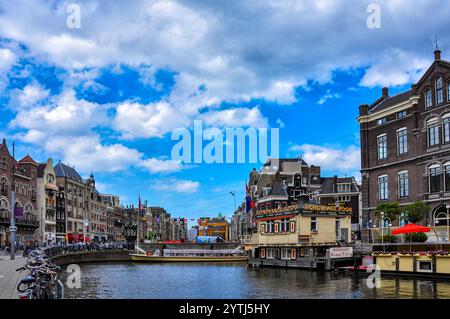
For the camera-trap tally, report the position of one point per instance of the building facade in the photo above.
(114, 218)
(97, 213)
(341, 192)
(405, 147)
(73, 192)
(25, 207)
(46, 199)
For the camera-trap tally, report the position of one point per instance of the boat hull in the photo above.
(144, 258)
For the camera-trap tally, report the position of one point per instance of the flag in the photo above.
(248, 199)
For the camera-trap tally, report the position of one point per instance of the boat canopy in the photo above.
(202, 252)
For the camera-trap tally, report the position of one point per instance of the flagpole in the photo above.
(12, 229)
(138, 217)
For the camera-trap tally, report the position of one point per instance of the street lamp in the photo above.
(233, 193)
(382, 229)
(448, 225)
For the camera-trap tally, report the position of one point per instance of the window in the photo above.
(382, 146)
(446, 128)
(270, 226)
(435, 178)
(314, 224)
(433, 132)
(270, 253)
(263, 228)
(383, 187)
(403, 185)
(285, 253)
(448, 92)
(424, 266)
(344, 198)
(292, 226)
(382, 121)
(439, 91)
(447, 176)
(285, 225)
(428, 98)
(401, 114)
(402, 141)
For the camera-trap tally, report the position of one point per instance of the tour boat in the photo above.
(190, 255)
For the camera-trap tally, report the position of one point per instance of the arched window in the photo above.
(446, 127)
(439, 91)
(434, 172)
(428, 98)
(447, 176)
(4, 204)
(3, 186)
(440, 217)
(433, 131)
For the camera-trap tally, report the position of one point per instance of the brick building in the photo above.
(405, 147)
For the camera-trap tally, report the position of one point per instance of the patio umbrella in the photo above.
(409, 229)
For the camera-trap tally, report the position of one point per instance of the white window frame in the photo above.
(428, 98)
(405, 136)
(314, 221)
(385, 147)
(386, 190)
(406, 185)
(434, 166)
(434, 124)
(424, 261)
(439, 90)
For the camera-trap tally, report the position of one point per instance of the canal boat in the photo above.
(190, 255)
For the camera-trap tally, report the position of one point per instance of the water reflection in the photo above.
(235, 280)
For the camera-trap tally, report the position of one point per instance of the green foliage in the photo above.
(416, 237)
(389, 239)
(416, 212)
(390, 210)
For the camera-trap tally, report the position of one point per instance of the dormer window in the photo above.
(428, 98)
(381, 121)
(439, 91)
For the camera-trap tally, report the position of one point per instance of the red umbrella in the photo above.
(411, 228)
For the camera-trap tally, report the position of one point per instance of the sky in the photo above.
(101, 85)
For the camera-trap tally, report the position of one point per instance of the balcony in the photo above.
(5, 219)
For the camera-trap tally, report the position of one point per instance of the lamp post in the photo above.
(448, 225)
(382, 229)
(370, 232)
(13, 221)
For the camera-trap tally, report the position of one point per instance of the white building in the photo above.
(46, 202)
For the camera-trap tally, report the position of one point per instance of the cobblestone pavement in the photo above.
(9, 277)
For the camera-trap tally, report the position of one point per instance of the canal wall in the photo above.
(92, 257)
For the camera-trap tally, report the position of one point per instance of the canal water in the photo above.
(236, 280)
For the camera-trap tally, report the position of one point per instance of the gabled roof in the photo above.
(328, 187)
(62, 170)
(28, 160)
(386, 102)
(278, 190)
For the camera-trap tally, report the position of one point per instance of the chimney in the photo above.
(385, 92)
(363, 109)
(437, 54)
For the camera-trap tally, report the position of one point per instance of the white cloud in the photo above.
(29, 96)
(343, 160)
(154, 165)
(7, 60)
(174, 185)
(151, 120)
(236, 117)
(328, 96)
(395, 68)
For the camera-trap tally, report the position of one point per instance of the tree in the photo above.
(416, 212)
(390, 210)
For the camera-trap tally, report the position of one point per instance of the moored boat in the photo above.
(190, 255)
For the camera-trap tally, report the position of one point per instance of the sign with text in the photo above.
(341, 252)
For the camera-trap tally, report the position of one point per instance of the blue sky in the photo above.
(105, 97)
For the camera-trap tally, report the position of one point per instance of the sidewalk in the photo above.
(9, 277)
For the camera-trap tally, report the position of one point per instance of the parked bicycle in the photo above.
(41, 281)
